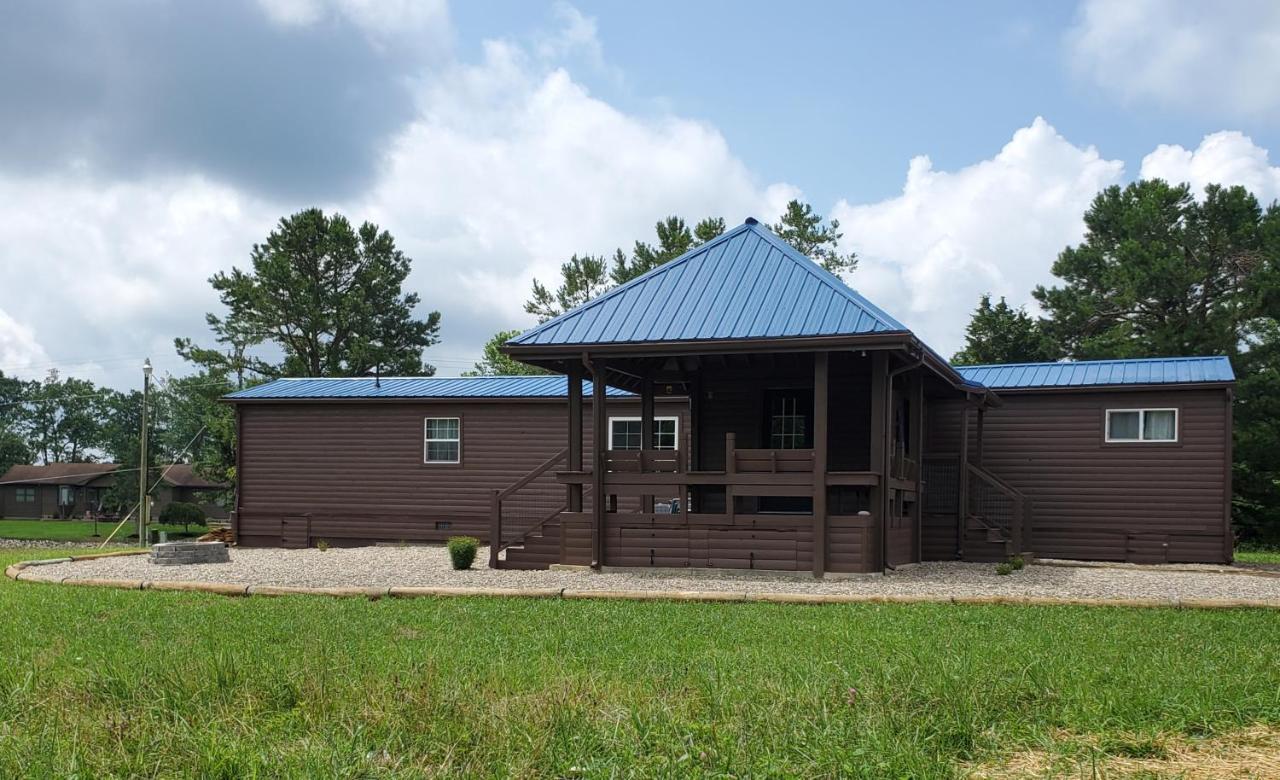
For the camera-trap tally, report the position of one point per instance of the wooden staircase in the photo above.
(525, 530)
(996, 516)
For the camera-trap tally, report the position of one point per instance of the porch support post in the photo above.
(982, 414)
(878, 432)
(646, 434)
(962, 509)
(600, 439)
(917, 454)
(821, 371)
(575, 434)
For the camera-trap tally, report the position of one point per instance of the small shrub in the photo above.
(462, 551)
(1004, 568)
(1017, 562)
(322, 544)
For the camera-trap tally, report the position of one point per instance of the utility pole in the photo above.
(144, 506)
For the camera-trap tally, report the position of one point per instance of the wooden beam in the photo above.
(982, 416)
(917, 453)
(646, 431)
(600, 437)
(575, 434)
(879, 447)
(821, 373)
(962, 508)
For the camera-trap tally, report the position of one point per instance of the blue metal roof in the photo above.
(1094, 373)
(747, 283)
(419, 387)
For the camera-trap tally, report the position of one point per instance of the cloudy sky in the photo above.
(146, 144)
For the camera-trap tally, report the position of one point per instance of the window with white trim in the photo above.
(1142, 425)
(625, 433)
(442, 440)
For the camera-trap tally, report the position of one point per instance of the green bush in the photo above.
(462, 551)
(179, 513)
(1017, 562)
(1004, 568)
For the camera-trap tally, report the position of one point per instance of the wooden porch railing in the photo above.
(645, 461)
(903, 467)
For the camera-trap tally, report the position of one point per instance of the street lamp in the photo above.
(143, 504)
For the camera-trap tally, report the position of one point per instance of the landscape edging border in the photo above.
(15, 571)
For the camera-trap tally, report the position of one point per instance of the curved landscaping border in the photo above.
(21, 571)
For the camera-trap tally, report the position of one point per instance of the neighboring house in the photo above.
(68, 490)
(812, 431)
(180, 483)
(55, 490)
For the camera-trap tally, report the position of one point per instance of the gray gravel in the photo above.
(429, 567)
(49, 544)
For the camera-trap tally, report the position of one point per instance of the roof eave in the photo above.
(1146, 386)
(877, 340)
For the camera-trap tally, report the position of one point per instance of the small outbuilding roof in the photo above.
(57, 473)
(745, 284)
(183, 475)
(541, 386)
(1099, 373)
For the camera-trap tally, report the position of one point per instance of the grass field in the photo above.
(1252, 554)
(100, 682)
(79, 530)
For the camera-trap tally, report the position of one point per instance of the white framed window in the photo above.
(1142, 425)
(442, 440)
(624, 433)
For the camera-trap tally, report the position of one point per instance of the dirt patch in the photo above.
(1250, 753)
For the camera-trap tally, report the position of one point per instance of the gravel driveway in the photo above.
(429, 567)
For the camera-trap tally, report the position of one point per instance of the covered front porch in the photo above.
(791, 461)
(804, 448)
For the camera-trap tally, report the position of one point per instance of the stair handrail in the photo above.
(496, 543)
(1020, 515)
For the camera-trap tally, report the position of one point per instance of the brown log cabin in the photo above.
(761, 415)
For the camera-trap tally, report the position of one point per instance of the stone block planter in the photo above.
(186, 553)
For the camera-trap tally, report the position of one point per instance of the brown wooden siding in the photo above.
(1099, 501)
(357, 468)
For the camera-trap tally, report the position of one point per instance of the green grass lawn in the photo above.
(79, 530)
(1250, 554)
(100, 682)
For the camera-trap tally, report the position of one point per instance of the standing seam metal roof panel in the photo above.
(747, 283)
(549, 386)
(1101, 373)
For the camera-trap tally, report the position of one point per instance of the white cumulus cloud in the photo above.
(995, 226)
(1227, 158)
(1186, 54)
